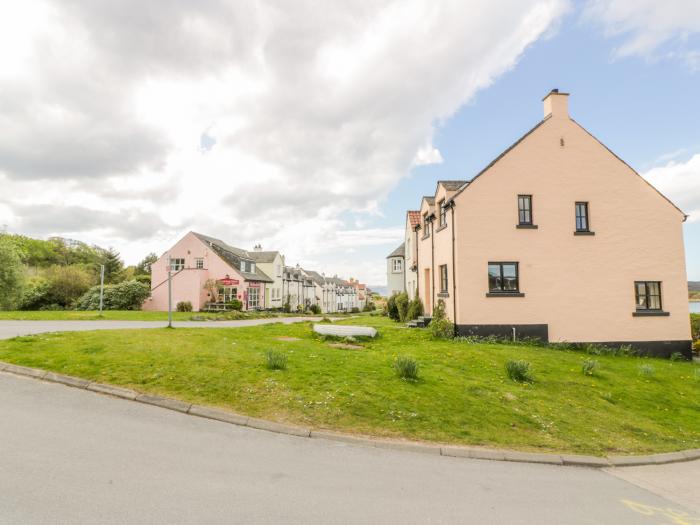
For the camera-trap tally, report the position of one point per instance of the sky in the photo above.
(311, 128)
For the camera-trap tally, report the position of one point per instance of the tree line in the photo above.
(59, 274)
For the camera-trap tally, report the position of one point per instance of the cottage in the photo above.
(395, 278)
(557, 238)
(209, 274)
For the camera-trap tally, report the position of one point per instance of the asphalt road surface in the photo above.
(14, 328)
(74, 456)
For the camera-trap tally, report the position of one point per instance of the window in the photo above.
(443, 278)
(199, 263)
(503, 277)
(248, 266)
(227, 294)
(525, 209)
(582, 217)
(443, 213)
(397, 265)
(253, 297)
(426, 225)
(648, 295)
(177, 264)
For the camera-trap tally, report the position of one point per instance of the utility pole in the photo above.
(170, 293)
(102, 286)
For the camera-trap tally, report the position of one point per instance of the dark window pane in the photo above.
(510, 284)
(494, 277)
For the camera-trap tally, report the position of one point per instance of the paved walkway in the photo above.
(14, 328)
(74, 456)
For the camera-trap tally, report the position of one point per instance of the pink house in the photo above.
(207, 272)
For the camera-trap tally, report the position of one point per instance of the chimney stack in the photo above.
(556, 104)
(258, 248)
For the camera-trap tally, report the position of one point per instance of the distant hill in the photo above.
(694, 286)
(376, 288)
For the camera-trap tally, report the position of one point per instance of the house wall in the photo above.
(274, 271)
(410, 276)
(580, 287)
(394, 280)
(424, 256)
(442, 246)
(188, 284)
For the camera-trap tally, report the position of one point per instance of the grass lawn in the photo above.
(123, 315)
(463, 394)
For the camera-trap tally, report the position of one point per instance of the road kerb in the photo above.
(280, 428)
(116, 391)
(585, 461)
(533, 457)
(24, 371)
(75, 382)
(164, 402)
(218, 415)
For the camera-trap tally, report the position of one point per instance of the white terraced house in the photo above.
(272, 264)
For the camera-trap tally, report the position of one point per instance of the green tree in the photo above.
(144, 267)
(11, 275)
(113, 265)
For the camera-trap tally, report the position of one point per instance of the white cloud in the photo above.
(680, 182)
(316, 110)
(650, 28)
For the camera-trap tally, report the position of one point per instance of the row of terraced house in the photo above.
(211, 275)
(556, 239)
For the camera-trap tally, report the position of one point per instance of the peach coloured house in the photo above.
(410, 256)
(207, 270)
(557, 238)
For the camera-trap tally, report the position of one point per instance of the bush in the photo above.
(354, 310)
(184, 306)
(402, 306)
(519, 371)
(391, 308)
(676, 356)
(127, 295)
(11, 274)
(415, 309)
(275, 360)
(369, 307)
(646, 370)
(235, 304)
(589, 367)
(442, 329)
(287, 307)
(59, 287)
(406, 368)
(315, 309)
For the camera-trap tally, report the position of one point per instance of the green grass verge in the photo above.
(462, 394)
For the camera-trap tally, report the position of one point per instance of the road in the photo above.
(14, 328)
(74, 456)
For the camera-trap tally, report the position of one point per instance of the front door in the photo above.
(428, 292)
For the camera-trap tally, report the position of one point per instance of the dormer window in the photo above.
(443, 213)
(426, 225)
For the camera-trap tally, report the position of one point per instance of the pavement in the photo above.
(75, 456)
(14, 328)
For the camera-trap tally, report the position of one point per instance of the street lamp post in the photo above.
(102, 286)
(170, 293)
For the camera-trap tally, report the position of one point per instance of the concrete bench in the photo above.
(345, 331)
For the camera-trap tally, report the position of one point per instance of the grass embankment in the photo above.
(130, 315)
(463, 394)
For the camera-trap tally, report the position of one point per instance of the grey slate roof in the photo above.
(400, 251)
(233, 256)
(452, 185)
(263, 257)
(316, 277)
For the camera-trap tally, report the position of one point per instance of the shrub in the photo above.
(369, 307)
(11, 274)
(646, 370)
(315, 309)
(184, 306)
(406, 368)
(676, 356)
(391, 308)
(235, 304)
(325, 320)
(127, 295)
(402, 306)
(287, 306)
(354, 310)
(442, 329)
(519, 371)
(415, 309)
(275, 360)
(589, 367)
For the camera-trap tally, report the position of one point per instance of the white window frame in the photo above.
(396, 268)
(199, 263)
(177, 264)
(253, 303)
